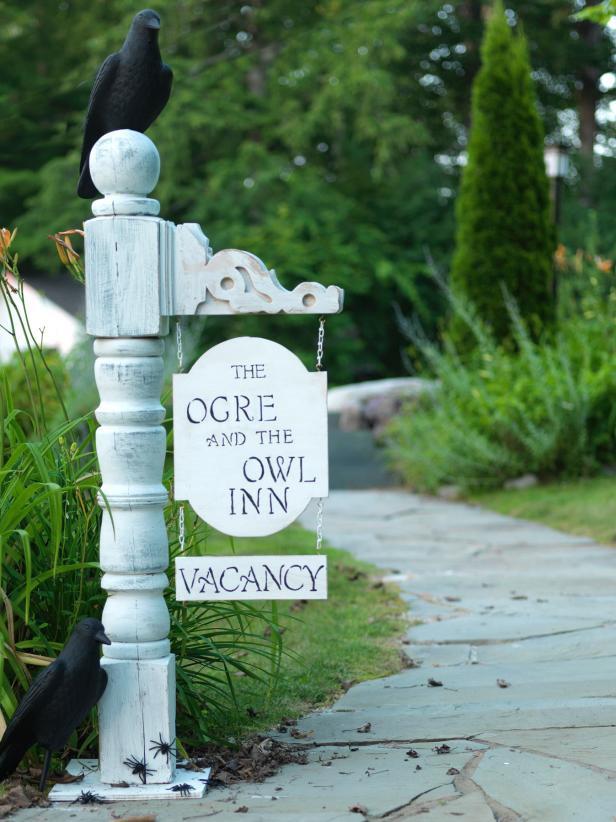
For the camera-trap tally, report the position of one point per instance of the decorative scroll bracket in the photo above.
(236, 282)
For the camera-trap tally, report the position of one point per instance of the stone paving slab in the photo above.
(491, 598)
(589, 746)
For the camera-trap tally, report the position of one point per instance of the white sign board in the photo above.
(250, 436)
(225, 578)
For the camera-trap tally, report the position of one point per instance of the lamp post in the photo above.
(556, 167)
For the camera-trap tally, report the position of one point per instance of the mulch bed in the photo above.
(255, 760)
(20, 795)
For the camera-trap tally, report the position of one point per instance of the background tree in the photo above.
(325, 135)
(505, 239)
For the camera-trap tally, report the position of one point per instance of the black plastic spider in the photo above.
(88, 798)
(138, 766)
(162, 747)
(184, 789)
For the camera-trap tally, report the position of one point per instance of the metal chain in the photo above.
(180, 356)
(320, 343)
(181, 533)
(320, 347)
(178, 344)
(319, 524)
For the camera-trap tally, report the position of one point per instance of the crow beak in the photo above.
(153, 24)
(102, 637)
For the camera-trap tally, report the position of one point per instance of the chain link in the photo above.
(178, 344)
(320, 347)
(181, 531)
(319, 524)
(180, 356)
(320, 343)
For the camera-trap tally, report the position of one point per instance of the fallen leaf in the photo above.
(67, 778)
(18, 795)
(434, 683)
(452, 599)
(147, 818)
(297, 734)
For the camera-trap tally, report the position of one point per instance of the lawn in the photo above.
(352, 636)
(585, 507)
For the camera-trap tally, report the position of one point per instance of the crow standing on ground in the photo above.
(130, 90)
(58, 700)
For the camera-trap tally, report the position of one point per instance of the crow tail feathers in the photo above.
(11, 756)
(86, 188)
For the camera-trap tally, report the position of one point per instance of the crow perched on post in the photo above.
(130, 90)
(58, 700)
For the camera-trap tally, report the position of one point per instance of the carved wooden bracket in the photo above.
(237, 282)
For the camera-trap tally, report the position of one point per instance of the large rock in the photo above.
(371, 405)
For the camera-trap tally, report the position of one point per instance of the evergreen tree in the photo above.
(505, 236)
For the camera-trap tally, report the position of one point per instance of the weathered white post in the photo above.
(140, 270)
(123, 259)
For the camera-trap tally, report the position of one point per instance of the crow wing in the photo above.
(102, 683)
(33, 703)
(102, 82)
(21, 730)
(166, 79)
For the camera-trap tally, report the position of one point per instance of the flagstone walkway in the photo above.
(510, 710)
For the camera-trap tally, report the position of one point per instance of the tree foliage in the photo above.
(323, 136)
(505, 239)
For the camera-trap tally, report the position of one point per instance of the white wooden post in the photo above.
(141, 270)
(123, 257)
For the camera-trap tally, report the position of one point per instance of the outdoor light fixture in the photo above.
(556, 161)
(556, 167)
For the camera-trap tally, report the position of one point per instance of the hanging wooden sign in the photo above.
(257, 577)
(250, 436)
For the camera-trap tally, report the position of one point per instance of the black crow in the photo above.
(130, 90)
(58, 700)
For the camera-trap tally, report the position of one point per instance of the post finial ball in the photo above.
(124, 166)
(124, 162)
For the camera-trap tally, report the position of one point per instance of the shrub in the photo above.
(546, 408)
(504, 232)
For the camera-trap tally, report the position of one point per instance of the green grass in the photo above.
(352, 636)
(585, 507)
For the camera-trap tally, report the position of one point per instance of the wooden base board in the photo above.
(70, 792)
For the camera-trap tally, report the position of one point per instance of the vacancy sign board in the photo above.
(250, 438)
(266, 577)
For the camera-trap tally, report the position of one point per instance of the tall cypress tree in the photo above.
(505, 236)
